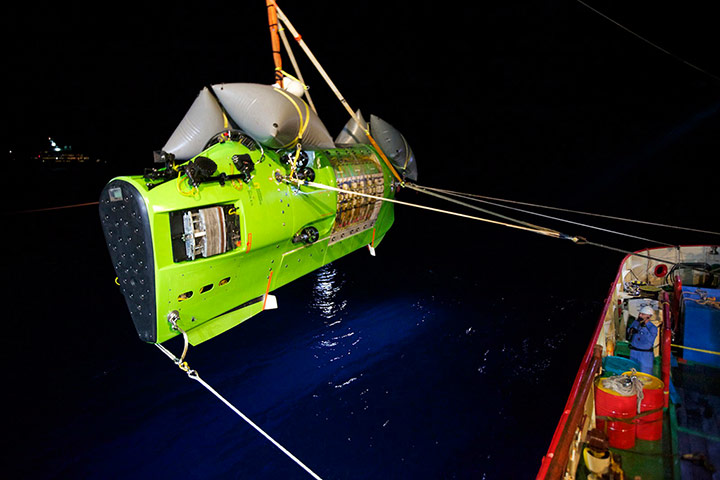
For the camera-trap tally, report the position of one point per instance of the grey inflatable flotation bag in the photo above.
(395, 147)
(273, 117)
(352, 133)
(201, 122)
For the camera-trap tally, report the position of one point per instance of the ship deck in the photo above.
(697, 410)
(650, 460)
(687, 365)
(690, 444)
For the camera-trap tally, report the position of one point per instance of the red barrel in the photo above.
(649, 427)
(609, 403)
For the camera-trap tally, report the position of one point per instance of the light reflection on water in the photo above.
(356, 333)
(325, 292)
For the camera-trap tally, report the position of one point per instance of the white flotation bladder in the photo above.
(201, 122)
(273, 117)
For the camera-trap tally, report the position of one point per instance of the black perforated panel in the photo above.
(126, 225)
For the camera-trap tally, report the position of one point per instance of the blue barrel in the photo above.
(617, 365)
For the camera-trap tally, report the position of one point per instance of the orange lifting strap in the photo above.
(275, 39)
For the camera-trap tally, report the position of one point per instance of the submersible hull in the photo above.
(213, 251)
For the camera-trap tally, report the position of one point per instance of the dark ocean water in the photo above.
(442, 357)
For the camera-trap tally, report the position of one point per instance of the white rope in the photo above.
(626, 385)
(195, 376)
(607, 230)
(474, 207)
(547, 232)
(610, 217)
(289, 51)
(649, 42)
(550, 233)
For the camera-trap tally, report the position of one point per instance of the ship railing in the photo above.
(563, 449)
(573, 419)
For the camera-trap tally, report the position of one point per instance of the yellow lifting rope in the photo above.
(193, 192)
(304, 120)
(335, 90)
(301, 82)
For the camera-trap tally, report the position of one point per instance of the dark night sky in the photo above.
(539, 101)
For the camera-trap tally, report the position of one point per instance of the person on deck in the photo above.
(641, 334)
